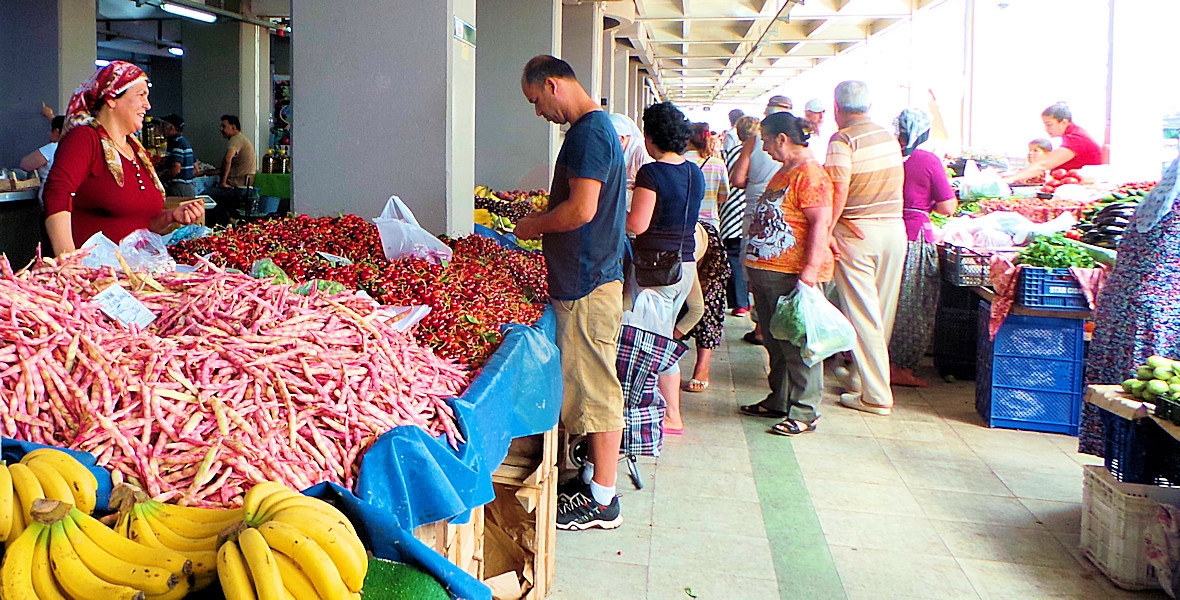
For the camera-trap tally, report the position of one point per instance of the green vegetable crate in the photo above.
(1051, 289)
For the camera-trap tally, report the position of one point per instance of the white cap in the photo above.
(815, 105)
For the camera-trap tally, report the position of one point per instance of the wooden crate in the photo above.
(521, 523)
(460, 544)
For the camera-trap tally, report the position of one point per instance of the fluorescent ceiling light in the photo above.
(100, 63)
(176, 51)
(184, 11)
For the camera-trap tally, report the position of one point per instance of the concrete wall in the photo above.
(372, 94)
(512, 144)
(211, 84)
(43, 58)
(167, 95)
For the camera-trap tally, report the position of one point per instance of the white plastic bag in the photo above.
(402, 236)
(142, 249)
(983, 184)
(805, 318)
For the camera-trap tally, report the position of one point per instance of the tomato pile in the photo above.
(482, 288)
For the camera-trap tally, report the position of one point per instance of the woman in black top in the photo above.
(663, 216)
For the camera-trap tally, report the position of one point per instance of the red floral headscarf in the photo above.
(108, 82)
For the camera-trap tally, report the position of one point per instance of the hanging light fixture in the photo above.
(176, 51)
(185, 11)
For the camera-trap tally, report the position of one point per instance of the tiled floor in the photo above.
(926, 503)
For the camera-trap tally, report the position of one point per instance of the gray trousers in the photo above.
(795, 388)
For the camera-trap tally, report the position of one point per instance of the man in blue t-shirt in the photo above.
(177, 168)
(583, 243)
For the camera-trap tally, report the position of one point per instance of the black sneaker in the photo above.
(580, 512)
(571, 487)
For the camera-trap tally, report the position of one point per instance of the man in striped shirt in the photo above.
(177, 169)
(868, 236)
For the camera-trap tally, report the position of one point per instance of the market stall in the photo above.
(401, 415)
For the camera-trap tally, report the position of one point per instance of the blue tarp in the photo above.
(506, 240)
(387, 538)
(14, 450)
(420, 479)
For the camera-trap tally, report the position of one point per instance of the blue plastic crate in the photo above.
(1055, 289)
(1030, 376)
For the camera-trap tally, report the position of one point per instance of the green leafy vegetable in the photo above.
(1056, 252)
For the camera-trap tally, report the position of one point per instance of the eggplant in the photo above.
(1084, 227)
(1112, 220)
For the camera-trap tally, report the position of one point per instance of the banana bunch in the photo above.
(191, 532)
(291, 546)
(44, 473)
(65, 554)
(483, 191)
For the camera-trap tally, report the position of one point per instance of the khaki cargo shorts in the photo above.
(588, 337)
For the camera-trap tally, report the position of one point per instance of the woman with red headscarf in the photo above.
(102, 179)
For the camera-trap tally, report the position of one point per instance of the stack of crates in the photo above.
(955, 331)
(1030, 376)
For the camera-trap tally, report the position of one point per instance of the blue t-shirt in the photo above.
(673, 223)
(584, 259)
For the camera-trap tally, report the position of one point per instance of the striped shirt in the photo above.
(868, 158)
(181, 153)
(716, 185)
(731, 210)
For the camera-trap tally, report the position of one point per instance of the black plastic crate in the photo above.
(955, 338)
(1125, 445)
(964, 267)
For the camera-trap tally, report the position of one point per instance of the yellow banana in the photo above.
(172, 539)
(332, 536)
(6, 500)
(207, 516)
(53, 485)
(129, 550)
(44, 581)
(114, 569)
(179, 592)
(257, 494)
(27, 487)
(82, 482)
(308, 555)
(294, 579)
(18, 521)
(16, 575)
(314, 503)
(204, 564)
(77, 580)
(234, 574)
(180, 523)
(268, 583)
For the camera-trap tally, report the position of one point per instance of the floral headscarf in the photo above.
(108, 82)
(915, 124)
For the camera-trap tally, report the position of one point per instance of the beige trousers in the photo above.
(868, 277)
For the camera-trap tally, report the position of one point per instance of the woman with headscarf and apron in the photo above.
(926, 189)
(634, 154)
(1139, 308)
(102, 179)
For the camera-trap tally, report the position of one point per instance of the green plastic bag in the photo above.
(266, 268)
(328, 288)
(805, 318)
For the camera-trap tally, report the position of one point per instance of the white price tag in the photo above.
(335, 260)
(120, 305)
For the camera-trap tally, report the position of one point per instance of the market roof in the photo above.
(705, 51)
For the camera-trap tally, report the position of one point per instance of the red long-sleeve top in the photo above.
(81, 183)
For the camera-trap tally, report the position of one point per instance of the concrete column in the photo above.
(634, 102)
(384, 103)
(581, 44)
(254, 86)
(622, 60)
(1136, 94)
(47, 48)
(608, 71)
(513, 147)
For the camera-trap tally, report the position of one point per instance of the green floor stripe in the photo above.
(802, 562)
